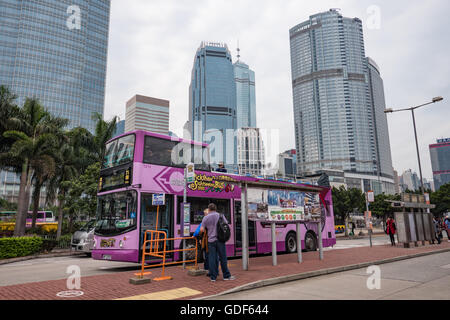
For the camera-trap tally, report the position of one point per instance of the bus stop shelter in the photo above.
(413, 220)
(275, 185)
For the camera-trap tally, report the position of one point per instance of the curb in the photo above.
(312, 274)
(40, 256)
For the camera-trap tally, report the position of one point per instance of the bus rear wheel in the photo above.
(291, 243)
(310, 241)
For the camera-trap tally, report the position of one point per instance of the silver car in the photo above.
(83, 239)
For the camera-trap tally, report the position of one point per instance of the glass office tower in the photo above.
(333, 109)
(245, 95)
(212, 102)
(440, 162)
(378, 102)
(56, 51)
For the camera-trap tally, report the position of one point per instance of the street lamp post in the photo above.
(436, 99)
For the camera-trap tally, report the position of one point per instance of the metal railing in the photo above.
(156, 239)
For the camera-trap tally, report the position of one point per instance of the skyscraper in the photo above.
(250, 151)
(440, 162)
(336, 103)
(56, 51)
(212, 102)
(245, 95)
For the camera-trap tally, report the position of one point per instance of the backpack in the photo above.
(223, 230)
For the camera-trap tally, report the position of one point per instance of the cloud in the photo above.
(152, 46)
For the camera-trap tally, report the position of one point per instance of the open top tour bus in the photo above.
(139, 164)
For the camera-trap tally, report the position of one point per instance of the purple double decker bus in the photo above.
(139, 164)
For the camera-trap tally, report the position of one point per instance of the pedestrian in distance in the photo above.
(437, 229)
(446, 226)
(213, 224)
(221, 168)
(391, 229)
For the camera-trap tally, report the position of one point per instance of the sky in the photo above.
(152, 46)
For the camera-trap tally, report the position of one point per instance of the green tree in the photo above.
(441, 198)
(33, 147)
(347, 201)
(382, 207)
(59, 185)
(82, 197)
(103, 132)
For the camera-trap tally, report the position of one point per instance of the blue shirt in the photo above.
(197, 231)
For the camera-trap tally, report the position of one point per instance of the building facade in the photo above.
(287, 163)
(440, 162)
(245, 95)
(120, 128)
(334, 102)
(212, 102)
(250, 151)
(147, 113)
(55, 51)
(380, 127)
(409, 180)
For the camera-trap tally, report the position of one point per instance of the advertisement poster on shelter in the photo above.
(282, 205)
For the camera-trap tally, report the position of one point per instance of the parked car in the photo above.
(83, 239)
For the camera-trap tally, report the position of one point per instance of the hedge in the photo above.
(19, 246)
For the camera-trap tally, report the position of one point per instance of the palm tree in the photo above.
(66, 170)
(103, 132)
(45, 170)
(33, 147)
(8, 109)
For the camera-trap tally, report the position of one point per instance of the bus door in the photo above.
(148, 218)
(237, 232)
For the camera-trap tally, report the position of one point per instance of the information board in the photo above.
(412, 227)
(186, 219)
(158, 199)
(400, 224)
(427, 227)
(420, 232)
(272, 205)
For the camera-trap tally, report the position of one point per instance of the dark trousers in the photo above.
(217, 252)
(392, 238)
(205, 259)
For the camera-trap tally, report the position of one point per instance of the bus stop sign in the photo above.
(158, 199)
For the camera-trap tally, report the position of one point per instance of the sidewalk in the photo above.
(261, 272)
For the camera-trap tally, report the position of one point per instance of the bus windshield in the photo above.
(175, 154)
(119, 151)
(116, 213)
(88, 226)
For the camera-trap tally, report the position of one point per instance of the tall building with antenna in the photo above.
(244, 78)
(212, 102)
(250, 147)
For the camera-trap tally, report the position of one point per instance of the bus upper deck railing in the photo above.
(156, 237)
